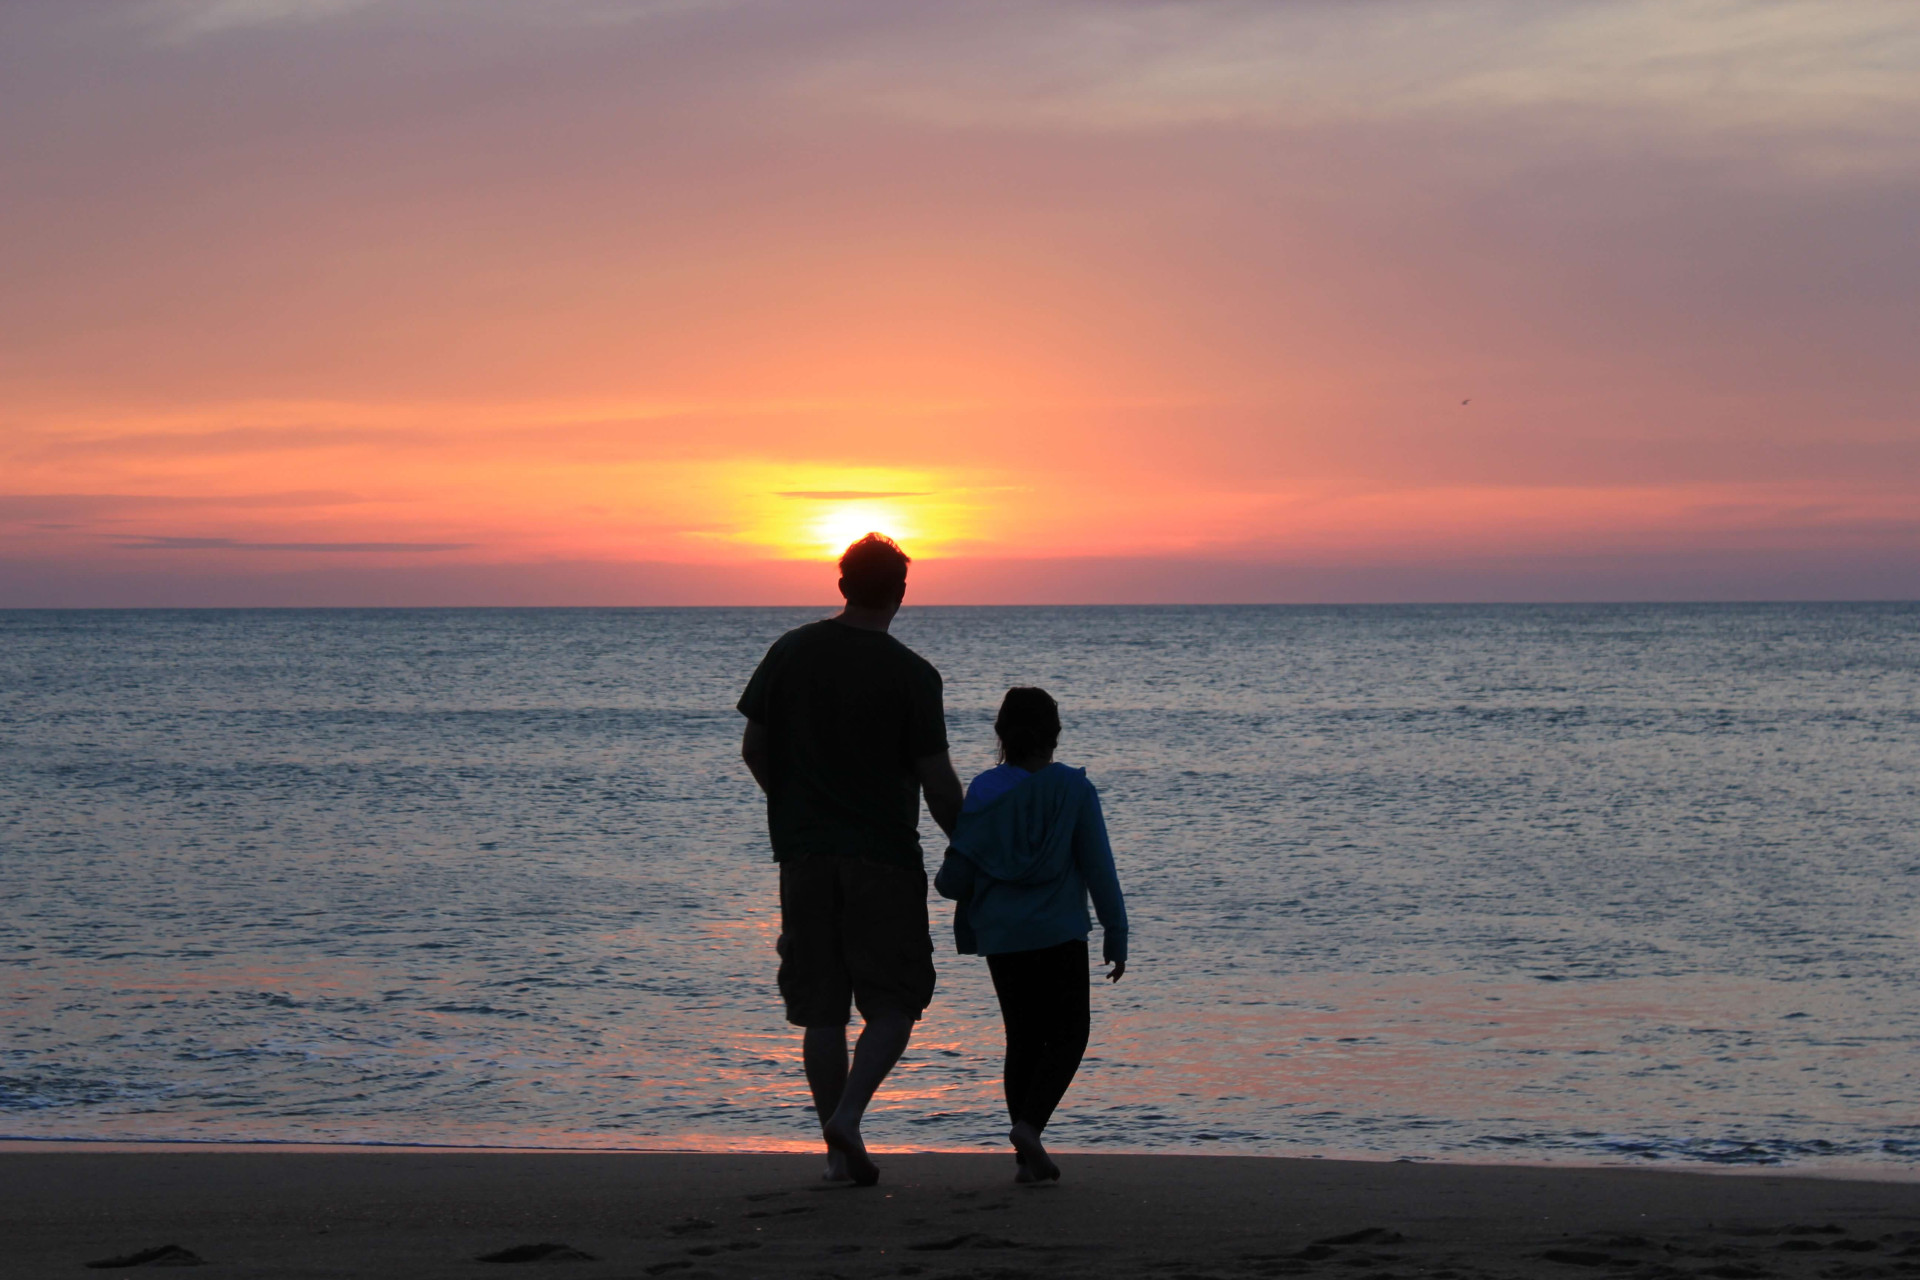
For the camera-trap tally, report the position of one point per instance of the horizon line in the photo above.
(1114, 604)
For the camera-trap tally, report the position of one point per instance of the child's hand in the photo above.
(1118, 971)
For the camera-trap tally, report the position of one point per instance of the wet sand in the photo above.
(425, 1213)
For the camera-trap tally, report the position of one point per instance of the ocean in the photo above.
(1596, 884)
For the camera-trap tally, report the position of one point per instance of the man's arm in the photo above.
(942, 786)
(753, 749)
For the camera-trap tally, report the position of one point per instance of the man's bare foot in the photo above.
(1037, 1165)
(836, 1168)
(846, 1144)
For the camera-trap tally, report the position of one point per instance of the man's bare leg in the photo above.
(881, 1043)
(823, 1050)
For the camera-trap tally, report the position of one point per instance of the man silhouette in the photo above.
(844, 730)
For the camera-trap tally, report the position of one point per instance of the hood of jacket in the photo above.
(1026, 835)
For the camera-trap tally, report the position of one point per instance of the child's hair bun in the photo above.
(1028, 723)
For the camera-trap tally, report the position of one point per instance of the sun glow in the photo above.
(838, 527)
(806, 512)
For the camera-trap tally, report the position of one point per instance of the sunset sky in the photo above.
(661, 301)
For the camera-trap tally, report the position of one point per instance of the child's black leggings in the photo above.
(1044, 1002)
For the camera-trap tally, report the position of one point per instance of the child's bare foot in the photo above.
(836, 1168)
(846, 1144)
(1036, 1165)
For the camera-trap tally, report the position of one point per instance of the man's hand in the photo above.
(1118, 971)
(753, 749)
(942, 786)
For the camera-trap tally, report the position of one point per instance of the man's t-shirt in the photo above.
(847, 712)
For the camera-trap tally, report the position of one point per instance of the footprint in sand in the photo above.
(164, 1255)
(1586, 1258)
(971, 1240)
(545, 1252)
(1365, 1235)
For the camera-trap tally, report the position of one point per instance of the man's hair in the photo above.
(873, 572)
(1028, 723)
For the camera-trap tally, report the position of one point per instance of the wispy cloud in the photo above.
(1125, 66)
(1131, 64)
(185, 19)
(189, 19)
(147, 542)
(226, 441)
(98, 506)
(853, 495)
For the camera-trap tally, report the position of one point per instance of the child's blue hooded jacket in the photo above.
(1023, 864)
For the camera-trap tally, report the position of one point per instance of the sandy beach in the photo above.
(423, 1213)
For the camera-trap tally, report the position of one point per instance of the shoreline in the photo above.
(271, 1212)
(1889, 1173)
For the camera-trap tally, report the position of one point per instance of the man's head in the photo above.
(873, 573)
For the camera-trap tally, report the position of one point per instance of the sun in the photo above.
(838, 527)
(813, 513)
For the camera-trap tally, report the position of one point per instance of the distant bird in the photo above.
(1467, 401)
